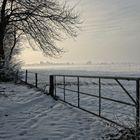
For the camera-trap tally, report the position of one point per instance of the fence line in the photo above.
(35, 78)
(54, 85)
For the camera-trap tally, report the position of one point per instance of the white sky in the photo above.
(110, 33)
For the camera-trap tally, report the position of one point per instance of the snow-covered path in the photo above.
(27, 114)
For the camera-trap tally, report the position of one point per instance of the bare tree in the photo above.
(11, 43)
(41, 21)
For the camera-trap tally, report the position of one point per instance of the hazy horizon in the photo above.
(110, 34)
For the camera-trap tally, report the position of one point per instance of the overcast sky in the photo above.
(110, 33)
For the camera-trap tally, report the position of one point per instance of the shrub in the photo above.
(10, 72)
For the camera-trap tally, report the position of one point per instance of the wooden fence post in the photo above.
(36, 80)
(64, 84)
(26, 76)
(51, 88)
(137, 106)
(99, 96)
(16, 76)
(78, 90)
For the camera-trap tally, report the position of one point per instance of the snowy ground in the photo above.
(27, 114)
(120, 113)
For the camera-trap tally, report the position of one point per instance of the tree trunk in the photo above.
(2, 30)
(2, 52)
(2, 55)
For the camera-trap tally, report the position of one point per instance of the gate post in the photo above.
(51, 88)
(137, 104)
(26, 76)
(36, 80)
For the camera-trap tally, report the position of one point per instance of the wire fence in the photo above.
(114, 99)
(38, 80)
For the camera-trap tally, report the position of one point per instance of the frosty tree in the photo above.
(41, 21)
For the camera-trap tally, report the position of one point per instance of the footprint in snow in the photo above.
(44, 139)
(23, 132)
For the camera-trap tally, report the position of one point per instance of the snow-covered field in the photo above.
(28, 114)
(90, 70)
(123, 114)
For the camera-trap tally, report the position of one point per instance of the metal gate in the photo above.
(61, 85)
